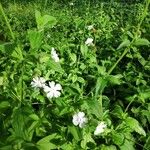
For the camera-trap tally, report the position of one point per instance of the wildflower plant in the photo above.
(92, 81)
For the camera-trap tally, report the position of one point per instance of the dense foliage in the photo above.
(74, 75)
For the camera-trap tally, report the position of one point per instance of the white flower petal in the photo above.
(58, 87)
(49, 95)
(75, 120)
(100, 128)
(52, 84)
(56, 94)
(81, 114)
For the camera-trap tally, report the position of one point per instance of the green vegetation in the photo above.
(74, 75)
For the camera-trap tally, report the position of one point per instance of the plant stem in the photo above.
(135, 36)
(7, 23)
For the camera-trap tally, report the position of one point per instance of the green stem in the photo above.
(101, 107)
(136, 34)
(45, 4)
(7, 23)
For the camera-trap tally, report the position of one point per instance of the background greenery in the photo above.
(118, 94)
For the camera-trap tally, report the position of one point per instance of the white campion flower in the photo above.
(38, 82)
(90, 27)
(71, 4)
(100, 128)
(79, 119)
(53, 90)
(54, 55)
(89, 42)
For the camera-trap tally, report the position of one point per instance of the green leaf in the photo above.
(147, 144)
(6, 147)
(55, 66)
(118, 111)
(35, 38)
(125, 43)
(75, 132)
(17, 53)
(115, 79)
(1, 80)
(44, 21)
(93, 106)
(84, 50)
(87, 138)
(141, 42)
(118, 138)
(111, 147)
(100, 85)
(34, 117)
(4, 104)
(46, 144)
(7, 47)
(73, 57)
(127, 145)
(134, 125)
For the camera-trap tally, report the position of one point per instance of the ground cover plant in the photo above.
(74, 75)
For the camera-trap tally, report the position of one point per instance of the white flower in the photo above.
(89, 41)
(38, 82)
(53, 90)
(54, 55)
(71, 4)
(100, 128)
(90, 27)
(79, 119)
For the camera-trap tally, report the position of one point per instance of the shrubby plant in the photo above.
(75, 86)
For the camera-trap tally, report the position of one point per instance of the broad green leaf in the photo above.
(43, 57)
(34, 117)
(20, 123)
(4, 104)
(1, 80)
(115, 79)
(35, 38)
(125, 43)
(7, 47)
(87, 138)
(17, 53)
(111, 147)
(134, 125)
(118, 138)
(141, 42)
(84, 50)
(46, 144)
(93, 106)
(100, 85)
(73, 57)
(44, 21)
(144, 95)
(55, 66)
(67, 146)
(75, 132)
(118, 111)
(127, 145)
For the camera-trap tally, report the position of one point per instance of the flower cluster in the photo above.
(51, 90)
(80, 119)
